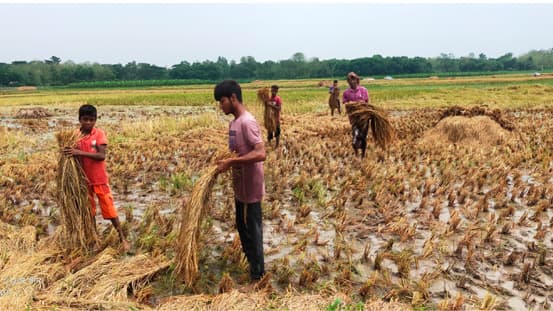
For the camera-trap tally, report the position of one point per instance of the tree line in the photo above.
(54, 72)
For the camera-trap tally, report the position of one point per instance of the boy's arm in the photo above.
(100, 155)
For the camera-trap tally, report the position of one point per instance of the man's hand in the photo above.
(223, 165)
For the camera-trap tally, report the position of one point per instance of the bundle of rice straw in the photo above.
(269, 112)
(363, 115)
(194, 211)
(79, 231)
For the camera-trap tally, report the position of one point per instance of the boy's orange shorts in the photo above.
(105, 198)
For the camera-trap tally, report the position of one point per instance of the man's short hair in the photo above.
(274, 87)
(88, 110)
(335, 81)
(226, 88)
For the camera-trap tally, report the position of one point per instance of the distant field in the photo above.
(499, 91)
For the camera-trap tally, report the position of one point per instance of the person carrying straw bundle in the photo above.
(247, 173)
(334, 98)
(361, 115)
(276, 104)
(271, 114)
(91, 152)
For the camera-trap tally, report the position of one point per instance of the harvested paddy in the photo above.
(431, 222)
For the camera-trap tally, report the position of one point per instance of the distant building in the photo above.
(388, 78)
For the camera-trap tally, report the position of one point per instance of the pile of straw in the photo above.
(235, 300)
(363, 115)
(70, 304)
(495, 115)
(79, 231)
(23, 270)
(33, 113)
(108, 278)
(16, 239)
(478, 131)
(193, 212)
(270, 112)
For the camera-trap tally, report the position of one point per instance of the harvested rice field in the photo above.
(456, 214)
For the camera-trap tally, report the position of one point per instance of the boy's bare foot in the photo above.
(125, 246)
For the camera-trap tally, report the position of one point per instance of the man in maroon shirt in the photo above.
(247, 173)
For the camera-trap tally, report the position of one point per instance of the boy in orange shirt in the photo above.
(91, 150)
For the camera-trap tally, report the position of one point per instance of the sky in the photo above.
(169, 33)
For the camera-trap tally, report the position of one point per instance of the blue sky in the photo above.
(166, 34)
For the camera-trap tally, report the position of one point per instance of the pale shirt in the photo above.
(247, 179)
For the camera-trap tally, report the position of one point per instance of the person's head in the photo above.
(274, 90)
(228, 93)
(335, 82)
(87, 117)
(353, 80)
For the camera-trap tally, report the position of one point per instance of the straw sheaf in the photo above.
(264, 94)
(76, 218)
(193, 212)
(363, 115)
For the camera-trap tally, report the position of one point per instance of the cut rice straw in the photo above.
(79, 233)
(70, 304)
(193, 212)
(23, 270)
(363, 115)
(109, 278)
